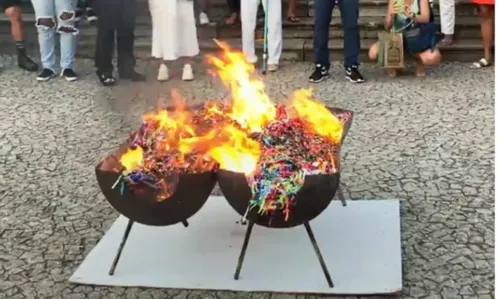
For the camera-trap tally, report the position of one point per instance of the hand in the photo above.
(398, 8)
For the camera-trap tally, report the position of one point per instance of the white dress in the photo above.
(174, 29)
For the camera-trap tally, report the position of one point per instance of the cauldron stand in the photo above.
(311, 238)
(124, 241)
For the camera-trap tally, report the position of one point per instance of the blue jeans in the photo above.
(56, 16)
(349, 13)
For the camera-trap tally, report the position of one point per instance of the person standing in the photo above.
(487, 20)
(349, 13)
(115, 19)
(56, 16)
(447, 15)
(12, 9)
(174, 35)
(248, 15)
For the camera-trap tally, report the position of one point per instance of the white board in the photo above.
(361, 245)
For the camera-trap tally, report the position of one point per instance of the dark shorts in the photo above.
(4, 4)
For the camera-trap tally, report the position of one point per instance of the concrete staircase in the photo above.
(297, 36)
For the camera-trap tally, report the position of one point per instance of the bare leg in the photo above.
(292, 11)
(486, 18)
(17, 32)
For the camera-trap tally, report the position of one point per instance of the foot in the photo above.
(163, 73)
(132, 75)
(45, 75)
(91, 15)
(69, 75)
(353, 75)
(293, 18)
(106, 78)
(204, 20)
(446, 41)
(26, 63)
(187, 73)
(420, 70)
(232, 19)
(482, 63)
(272, 67)
(320, 73)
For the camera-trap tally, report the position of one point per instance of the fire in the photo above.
(132, 159)
(238, 153)
(321, 120)
(221, 135)
(251, 106)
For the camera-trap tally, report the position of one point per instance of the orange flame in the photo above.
(229, 144)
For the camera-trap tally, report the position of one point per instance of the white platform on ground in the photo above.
(361, 244)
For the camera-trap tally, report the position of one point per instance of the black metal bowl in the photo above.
(191, 193)
(312, 199)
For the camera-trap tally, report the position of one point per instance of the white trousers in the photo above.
(248, 15)
(174, 29)
(447, 15)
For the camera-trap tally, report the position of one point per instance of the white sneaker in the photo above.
(162, 73)
(187, 73)
(204, 20)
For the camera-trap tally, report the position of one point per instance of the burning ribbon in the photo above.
(275, 146)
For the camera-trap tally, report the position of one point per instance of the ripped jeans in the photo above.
(56, 16)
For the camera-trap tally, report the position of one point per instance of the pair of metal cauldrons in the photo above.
(312, 199)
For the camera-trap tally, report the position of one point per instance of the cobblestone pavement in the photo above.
(428, 142)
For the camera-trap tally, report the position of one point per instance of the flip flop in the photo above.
(482, 63)
(293, 19)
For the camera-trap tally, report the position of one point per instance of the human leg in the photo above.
(46, 26)
(12, 10)
(275, 34)
(188, 40)
(447, 14)
(292, 11)
(66, 11)
(234, 8)
(125, 41)
(248, 15)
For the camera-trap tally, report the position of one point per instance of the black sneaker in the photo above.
(26, 63)
(91, 15)
(69, 75)
(320, 73)
(352, 74)
(45, 75)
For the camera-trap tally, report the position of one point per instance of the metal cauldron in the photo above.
(181, 205)
(311, 200)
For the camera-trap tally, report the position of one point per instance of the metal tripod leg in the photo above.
(318, 254)
(120, 249)
(340, 196)
(243, 250)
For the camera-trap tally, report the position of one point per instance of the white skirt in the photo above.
(174, 29)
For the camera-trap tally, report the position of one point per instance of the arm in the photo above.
(388, 16)
(425, 12)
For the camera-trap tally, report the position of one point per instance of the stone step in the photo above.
(218, 8)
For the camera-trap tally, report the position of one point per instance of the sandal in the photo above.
(231, 20)
(293, 19)
(106, 79)
(447, 41)
(483, 62)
